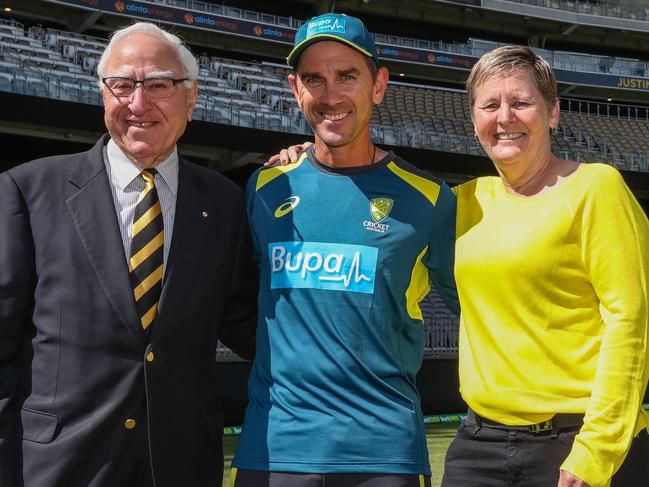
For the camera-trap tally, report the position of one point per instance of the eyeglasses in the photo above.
(153, 87)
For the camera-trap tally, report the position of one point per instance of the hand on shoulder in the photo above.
(288, 155)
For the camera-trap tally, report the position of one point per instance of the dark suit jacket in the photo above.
(73, 364)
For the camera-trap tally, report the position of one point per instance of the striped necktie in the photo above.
(146, 261)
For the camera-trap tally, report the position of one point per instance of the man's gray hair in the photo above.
(186, 58)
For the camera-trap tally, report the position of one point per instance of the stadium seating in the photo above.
(59, 64)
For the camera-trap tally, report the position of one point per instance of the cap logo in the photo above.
(326, 26)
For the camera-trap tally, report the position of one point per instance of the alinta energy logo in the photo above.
(120, 6)
(258, 30)
(380, 208)
(432, 58)
(287, 206)
(189, 18)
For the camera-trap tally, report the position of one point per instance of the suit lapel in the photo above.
(188, 238)
(93, 212)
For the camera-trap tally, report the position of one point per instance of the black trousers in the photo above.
(482, 456)
(255, 478)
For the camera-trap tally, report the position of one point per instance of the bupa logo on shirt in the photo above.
(325, 26)
(320, 265)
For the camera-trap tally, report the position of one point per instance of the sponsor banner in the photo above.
(231, 430)
(420, 56)
(321, 265)
(444, 418)
(605, 80)
(190, 18)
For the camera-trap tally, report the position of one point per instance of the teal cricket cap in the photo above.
(333, 27)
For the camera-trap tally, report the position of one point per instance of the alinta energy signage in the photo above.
(180, 16)
(286, 35)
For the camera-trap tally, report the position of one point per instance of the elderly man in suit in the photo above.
(120, 268)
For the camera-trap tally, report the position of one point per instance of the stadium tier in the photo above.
(58, 64)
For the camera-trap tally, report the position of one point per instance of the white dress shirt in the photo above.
(126, 187)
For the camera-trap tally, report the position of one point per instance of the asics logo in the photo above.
(319, 265)
(287, 207)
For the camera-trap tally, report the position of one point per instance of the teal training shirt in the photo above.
(345, 257)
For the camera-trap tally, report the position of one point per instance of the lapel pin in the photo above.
(204, 214)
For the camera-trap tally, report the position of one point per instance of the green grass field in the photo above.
(438, 437)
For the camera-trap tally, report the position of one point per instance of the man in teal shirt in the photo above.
(348, 240)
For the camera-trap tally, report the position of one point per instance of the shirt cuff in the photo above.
(585, 464)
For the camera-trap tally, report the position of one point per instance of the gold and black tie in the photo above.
(146, 261)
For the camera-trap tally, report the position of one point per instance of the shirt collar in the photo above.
(125, 171)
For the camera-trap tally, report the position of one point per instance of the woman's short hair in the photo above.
(186, 58)
(504, 60)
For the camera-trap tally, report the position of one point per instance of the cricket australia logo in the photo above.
(379, 209)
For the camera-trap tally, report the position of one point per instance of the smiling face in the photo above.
(511, 118)
(336, 91)
(146, 129)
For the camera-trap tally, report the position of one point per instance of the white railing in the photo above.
(605, 110)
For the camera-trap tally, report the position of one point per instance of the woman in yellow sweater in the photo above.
(552, 268)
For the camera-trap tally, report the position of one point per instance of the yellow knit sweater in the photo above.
(554, 292)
